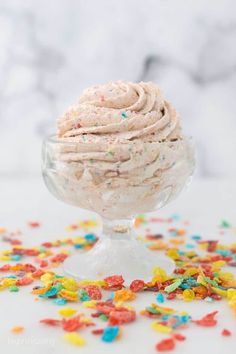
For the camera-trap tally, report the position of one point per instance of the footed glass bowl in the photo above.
(117, 194)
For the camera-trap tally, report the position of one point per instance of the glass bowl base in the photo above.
(129, 258)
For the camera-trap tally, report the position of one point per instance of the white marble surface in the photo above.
(51, 50)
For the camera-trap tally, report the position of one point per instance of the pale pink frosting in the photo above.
(121, 111)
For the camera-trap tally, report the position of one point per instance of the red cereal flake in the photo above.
(43, 263)
(15, 242)
(170, 296)
(165, 345)
(72, 324)
(105, 307)
(98, 331)
(118, 317)
(179, 271)
(216, 297)
(31, 252)
(34, 224)
(29, 268)
(137, 285)
(47, 244)
(226, 332)
(179, 337)
(114, 282)
(38, 273)
(208, 320)
(5, 268)
(24, 281)
(50, 321)
(93, 291)
(212, 244)
(59, 258)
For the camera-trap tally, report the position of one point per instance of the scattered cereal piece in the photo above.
(137, 285)
(13, 289)
(161, 328)
(207, 320)
(173, 286)
(34, 224)
(160, 298)
(188, 295)
(91, 304)
(110, 333)
(93, 291)
(98, 331)
(17, 329)
(121, 317)
(74, 338)
(124, 295)
(50, 322)
(165, 345)
(67, 312)
(72, 324)
(178, 337)
(225, 332)
(114, 282)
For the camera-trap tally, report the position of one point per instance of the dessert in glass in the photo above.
(119, 151)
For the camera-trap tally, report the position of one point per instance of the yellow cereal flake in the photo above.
(124, 295)
(91, 304)
(47, 278)
(70, 284)
(74, 338)
(188, 295)
(68, 295)
(93, 282)
(67, 312)
(160, 328)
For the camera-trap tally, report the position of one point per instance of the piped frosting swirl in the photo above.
(121, 111)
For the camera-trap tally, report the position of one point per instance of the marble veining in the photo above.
(51, 50)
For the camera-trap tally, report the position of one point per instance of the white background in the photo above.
(50, 50)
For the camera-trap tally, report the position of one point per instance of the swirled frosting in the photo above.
(120, 145)
(121, 110)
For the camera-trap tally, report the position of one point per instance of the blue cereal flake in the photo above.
(160, 298)
(175, 217)
(60, 301)
(51, 292)
(78, 246)
(110, 333)
(83, 296)
(224, 253)
(90, 237)
(184, 286)
(189, 245)
(185, 318)
(196, 237)
(16, 257)
(124, 115)
(111, 296)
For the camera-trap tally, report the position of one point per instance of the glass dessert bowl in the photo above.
(118, 192)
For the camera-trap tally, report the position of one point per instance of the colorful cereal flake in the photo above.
(74, 338)
(198, 276)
